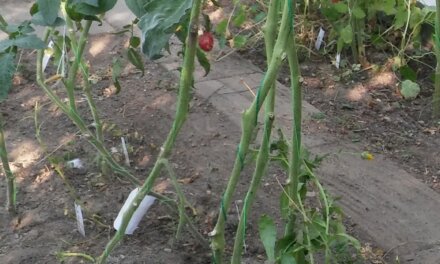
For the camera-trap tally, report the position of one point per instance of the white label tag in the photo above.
(146, 203)
(338, 60)
(79, 220)
(47, 55)
(319, 39)
(124, 149)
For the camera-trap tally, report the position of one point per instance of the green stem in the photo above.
(63, 255)
(91, 102)
(186, 79)
(79, 122)
(249, 123)
(70, 26)
(270, 31)
(295, 156)
(96, 119)
(78, 52)
(10, 178)
(354, 28)
(182, 200)
(260, 171)
(436, 95)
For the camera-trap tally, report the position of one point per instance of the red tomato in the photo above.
(335, 1)
(206, 41)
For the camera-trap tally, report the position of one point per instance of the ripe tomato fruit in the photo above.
(206, 41)
(335, 1)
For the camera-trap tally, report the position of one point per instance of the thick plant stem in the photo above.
(270, 31)
(260, 171)
(10, 178)
(186, 79)
(295, 155)
(69, 24)
(249, 122)
(73, 70)
(436, 95)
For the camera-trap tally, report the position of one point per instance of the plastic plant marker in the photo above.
(319, 39)
(124, 149)
(47, 55)
(79, 220)
(338, 60)
(146, 203)
(75, 164)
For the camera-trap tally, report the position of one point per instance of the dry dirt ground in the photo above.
(366, 107)
(142, 113)
(359, 108)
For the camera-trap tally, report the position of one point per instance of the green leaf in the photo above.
(288, 259)
(91, 8)
(356, 244)
(285, 244)
(38, 19)
(49, 10)
(268, 235)
(136, 59)
(240, 18)
(221, 27)
(7, 68)
(239, 41)
(358, 12)
(24, 42)
(159, 23)
(387, 6)
(284, 205)
(259, 17)
(137, 7)
(135, 41)
(341, 7)
(203, 60)
(401, 17)
(347, 34)
(408, 73)
(116, 72)
(409, 89)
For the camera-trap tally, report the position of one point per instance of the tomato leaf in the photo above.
(49, 10)
(347, 34)
(203, 60)
(159, 23)
(24, 42)
(268, 235)
(135, 58)
(137, 7)
(7, 68)
(91, 7)
(116, 72)
(135, 41)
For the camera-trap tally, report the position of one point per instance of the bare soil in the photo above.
(366, 107)
(363, 107)
(142, 113)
